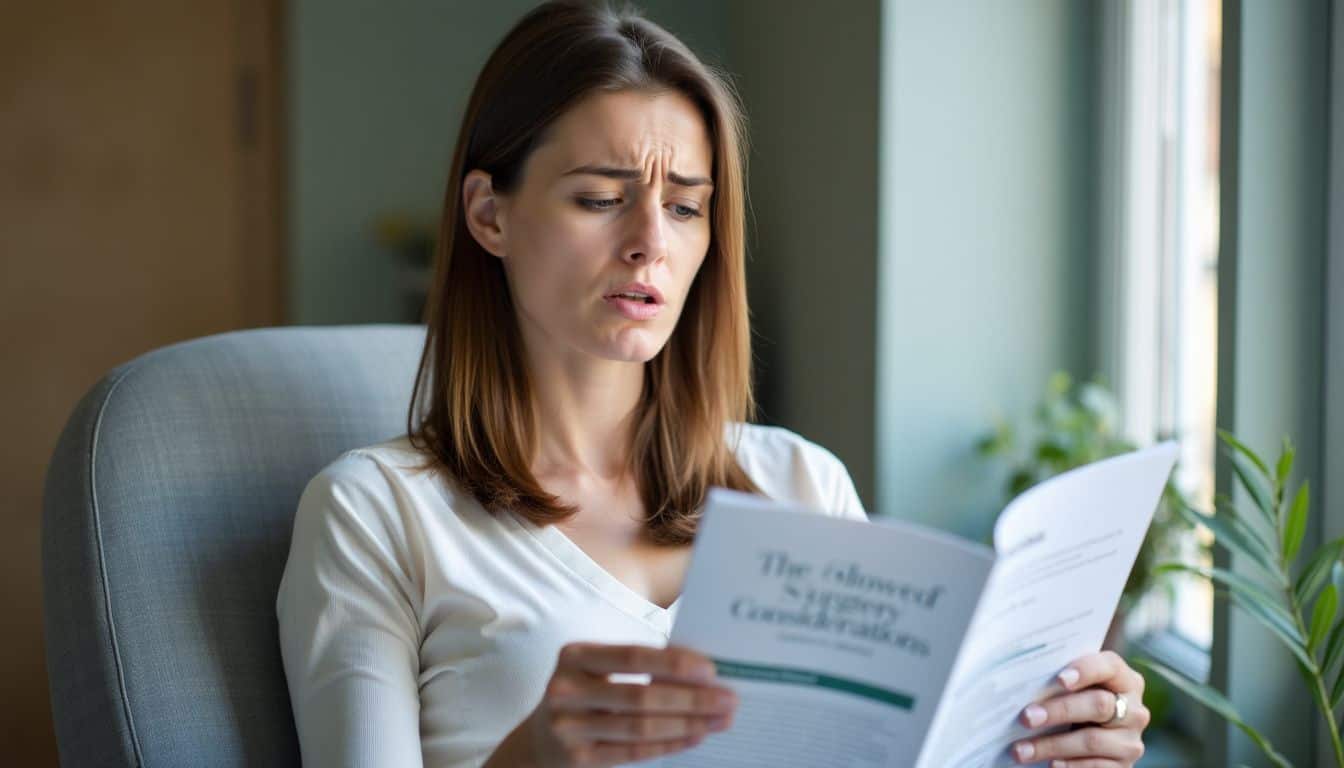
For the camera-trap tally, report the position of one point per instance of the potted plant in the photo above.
(1076, 425)
(1301, 612)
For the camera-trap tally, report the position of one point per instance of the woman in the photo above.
(461, 595)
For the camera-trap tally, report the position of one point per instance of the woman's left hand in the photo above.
(1092, 686)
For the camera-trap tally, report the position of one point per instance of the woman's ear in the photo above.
(482, 207)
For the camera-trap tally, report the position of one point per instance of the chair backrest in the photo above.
(167, 515)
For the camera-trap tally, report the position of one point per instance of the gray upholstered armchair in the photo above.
(166, 523)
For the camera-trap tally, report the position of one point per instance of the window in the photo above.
(1159, 254)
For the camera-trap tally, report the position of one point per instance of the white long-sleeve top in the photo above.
(418, 629)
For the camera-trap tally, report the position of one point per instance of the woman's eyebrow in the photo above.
(634, 174)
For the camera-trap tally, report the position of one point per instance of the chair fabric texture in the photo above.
(167, 513)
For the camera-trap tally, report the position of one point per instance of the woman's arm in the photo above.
(349, 633)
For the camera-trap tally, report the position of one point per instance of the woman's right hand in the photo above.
(585, 720)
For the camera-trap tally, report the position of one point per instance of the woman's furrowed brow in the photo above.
(635, 174)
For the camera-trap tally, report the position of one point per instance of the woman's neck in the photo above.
(586, 414)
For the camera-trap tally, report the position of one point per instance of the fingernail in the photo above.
(1068, 677)
(725, 699)
(719, 722)
(705, 672)
(1024, 750)
(1035, 715)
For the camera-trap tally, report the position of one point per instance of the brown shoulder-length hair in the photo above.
(472, 410)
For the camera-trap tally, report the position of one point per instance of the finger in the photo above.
(666, 698)
(1087, 762)
(1086, 707)
(601, 755)
(673, 663)
(1137, 716)
(1093, 705)
(573, 728)
(653, 698)
(1123, 746)
(1106, 668)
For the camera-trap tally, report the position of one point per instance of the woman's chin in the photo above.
(634, 356)
(633, 346)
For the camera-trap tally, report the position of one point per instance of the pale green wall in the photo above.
(987, 233)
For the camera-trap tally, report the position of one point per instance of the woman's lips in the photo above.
(635, 310)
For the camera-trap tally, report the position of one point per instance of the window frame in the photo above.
(1332, 462)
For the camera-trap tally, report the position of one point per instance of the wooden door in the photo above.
(139, 205)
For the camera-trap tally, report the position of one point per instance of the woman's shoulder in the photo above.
(775, 442)
(384, 483)
(373, 467)
(786, 465)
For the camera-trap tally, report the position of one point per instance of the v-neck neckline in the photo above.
(580, 563)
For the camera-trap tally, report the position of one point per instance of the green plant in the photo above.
(1269, 539)
(1076, 426)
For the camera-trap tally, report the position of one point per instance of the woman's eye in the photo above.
(599, 205)
(685, 212)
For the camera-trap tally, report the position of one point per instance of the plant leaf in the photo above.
(1318, 568)
(1255, 486)
(1253, 599)
(1333, 647)
(1233, 534)
(1020, 481)
(1215, 701)
(1285, 465)
(1286, 632)
(1059, 383)
(1322, 615)
(1231, 440)
(1241, 585)
(999, 442)
(1051, 451)
(1263, 529)
(1296, 527)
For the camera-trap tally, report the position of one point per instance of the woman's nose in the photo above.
(646, 240)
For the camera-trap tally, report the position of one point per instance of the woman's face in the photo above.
(608, 225)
